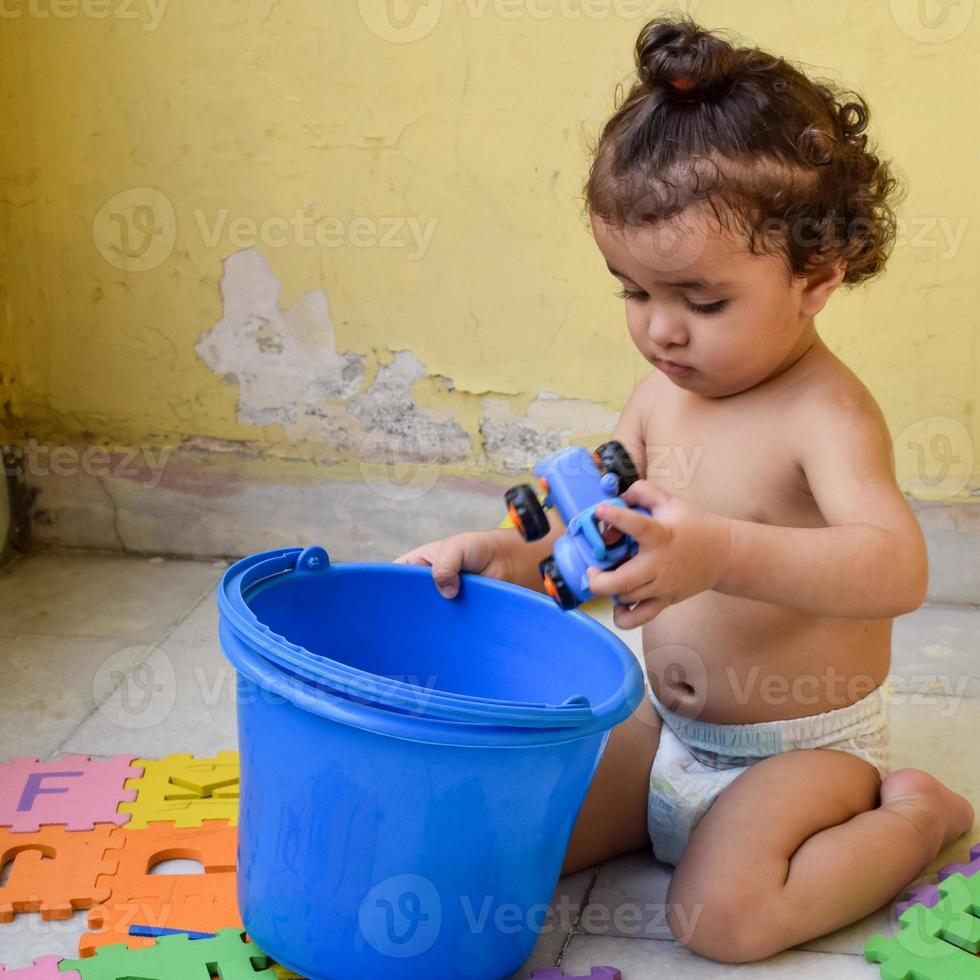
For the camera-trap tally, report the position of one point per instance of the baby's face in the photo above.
(697, 297)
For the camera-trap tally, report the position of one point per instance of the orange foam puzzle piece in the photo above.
(56, 870)
(197, 902)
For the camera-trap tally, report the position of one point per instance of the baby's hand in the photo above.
(481, 552)
(683, 550)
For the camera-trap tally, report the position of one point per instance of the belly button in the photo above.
(684, 688)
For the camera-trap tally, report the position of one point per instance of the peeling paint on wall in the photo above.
(399, 427)
(283, 361)
(516, 442)
(289, 373)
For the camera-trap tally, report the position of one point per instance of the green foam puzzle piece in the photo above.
(951, 920)
(227, 956)
(937, 943)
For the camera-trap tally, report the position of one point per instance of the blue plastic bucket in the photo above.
(381, 837)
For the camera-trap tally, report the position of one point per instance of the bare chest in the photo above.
(732, 459)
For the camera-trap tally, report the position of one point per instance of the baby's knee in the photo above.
(724, 922)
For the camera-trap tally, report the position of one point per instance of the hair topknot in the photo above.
(669, 50)
(784, 155)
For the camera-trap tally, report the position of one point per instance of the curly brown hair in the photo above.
(782, 155)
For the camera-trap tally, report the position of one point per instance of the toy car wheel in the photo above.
(555, 585)
(612, 457)
(526, 512)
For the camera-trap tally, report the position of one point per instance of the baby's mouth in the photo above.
(673, 368)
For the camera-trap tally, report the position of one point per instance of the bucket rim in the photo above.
(378, 720)
(321, 670)
(249, 572)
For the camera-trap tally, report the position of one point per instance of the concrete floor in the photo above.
(78, 631)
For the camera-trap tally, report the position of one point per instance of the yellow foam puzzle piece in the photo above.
(184, 791)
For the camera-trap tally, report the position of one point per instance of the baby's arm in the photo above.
(502, 553)
(871, 561)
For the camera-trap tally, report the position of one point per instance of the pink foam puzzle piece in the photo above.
(74, 791)
(46, 968)
(598, 973)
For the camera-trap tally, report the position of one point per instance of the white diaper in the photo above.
(696, 760)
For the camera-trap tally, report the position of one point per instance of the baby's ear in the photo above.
(820, 284)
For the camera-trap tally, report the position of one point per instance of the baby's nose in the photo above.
(665, 328)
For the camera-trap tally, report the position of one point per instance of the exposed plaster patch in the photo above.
(284, 361)
(407, 430)
(516, 442)
(289, 372)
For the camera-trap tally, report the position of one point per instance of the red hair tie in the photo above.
(683, 82)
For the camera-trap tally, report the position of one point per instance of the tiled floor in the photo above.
(102, 654)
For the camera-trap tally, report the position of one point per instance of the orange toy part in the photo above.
(515, 517)
(56, 870)
(549, 587)
(198, 902)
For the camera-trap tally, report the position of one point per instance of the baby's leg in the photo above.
(613, 818)
(797, 846)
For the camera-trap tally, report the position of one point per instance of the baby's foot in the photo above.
(935, 809)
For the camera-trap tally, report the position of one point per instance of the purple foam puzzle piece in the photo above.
(74, 791)
(927, 892)
(968, 870)
(598, 973)
(921, 893)
(46, 968)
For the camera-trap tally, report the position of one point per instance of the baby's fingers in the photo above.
(417, 556)
(643, 529)
(626, 617)
(632, 574)
(444, 564)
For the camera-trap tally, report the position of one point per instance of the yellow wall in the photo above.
(480, 124)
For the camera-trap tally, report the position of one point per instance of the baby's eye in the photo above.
(625, 293)
(706, 308)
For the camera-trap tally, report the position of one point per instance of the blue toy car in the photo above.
(575, 481)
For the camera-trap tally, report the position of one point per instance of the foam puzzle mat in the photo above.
(85, 833)
(80, 833)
